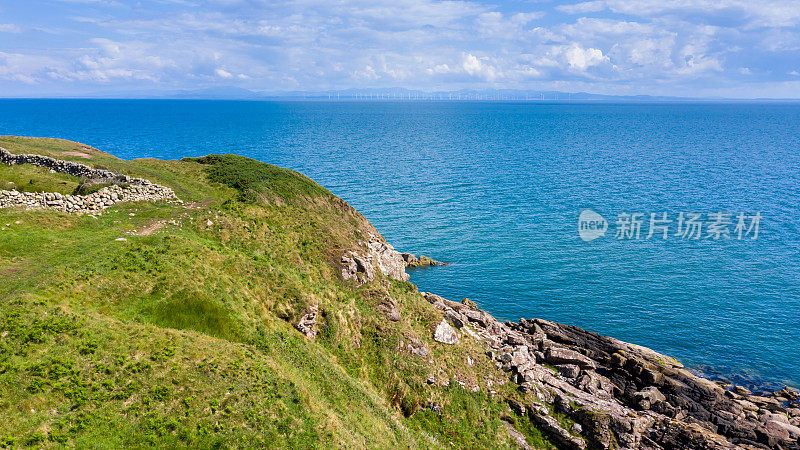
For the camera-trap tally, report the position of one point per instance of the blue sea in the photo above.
(496, 190)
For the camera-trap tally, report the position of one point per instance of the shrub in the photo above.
(249, 176)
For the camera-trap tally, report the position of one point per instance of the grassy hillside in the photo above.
(182, 334)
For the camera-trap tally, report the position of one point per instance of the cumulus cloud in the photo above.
(479, 67)
(603, 45)
(582, 58)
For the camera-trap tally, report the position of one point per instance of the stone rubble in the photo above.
(129, 189)
(623, 395)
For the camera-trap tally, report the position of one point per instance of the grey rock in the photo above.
(568, 370)
(307, 324)
(419, 350)
(624, 395)
(517, 407)
(387, 258)
(411, 261)
(560, 355)
(390, 307)
(648, 397)
(373, 255)
(456, 318)
(445, 333)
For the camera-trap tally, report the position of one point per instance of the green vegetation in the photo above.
(28, 178)
(246, 175)
(182, 336)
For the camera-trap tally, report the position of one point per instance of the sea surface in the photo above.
(496, 189)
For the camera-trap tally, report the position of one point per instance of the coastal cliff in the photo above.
(223, 302)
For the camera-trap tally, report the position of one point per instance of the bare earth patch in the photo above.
(150, 229)
(77, 154)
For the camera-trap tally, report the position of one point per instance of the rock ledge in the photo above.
(623, 395)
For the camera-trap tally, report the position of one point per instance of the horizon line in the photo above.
(354, 99)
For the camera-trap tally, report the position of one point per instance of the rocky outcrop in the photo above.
(390, 307)
(307, 325)
(622, 395)
(411, 261)
(122, 189)
(375, 254)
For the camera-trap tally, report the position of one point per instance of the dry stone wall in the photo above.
(125, 189)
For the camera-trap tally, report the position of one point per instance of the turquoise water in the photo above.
(496, 189)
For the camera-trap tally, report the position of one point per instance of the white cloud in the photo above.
(25, 68)
(9, 28)
(497, 25)
(525, 18)
(694, 61)
(758, 13)
(439, 69)
(471, 64)
(222, 73)
(626, 45)
(479, 68)
(582, 8)
(367, 73)
(582, 58)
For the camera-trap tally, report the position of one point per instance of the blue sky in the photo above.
(730, 48)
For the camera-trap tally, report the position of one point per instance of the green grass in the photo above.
(466, 420)
(183, 338)
(28, 178)
(194, 310)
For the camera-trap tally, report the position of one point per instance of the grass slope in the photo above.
(181, 336)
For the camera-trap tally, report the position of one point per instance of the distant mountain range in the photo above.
(397, 94)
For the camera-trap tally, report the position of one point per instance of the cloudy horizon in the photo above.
(704, 48)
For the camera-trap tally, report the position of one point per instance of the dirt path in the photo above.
(150, 229)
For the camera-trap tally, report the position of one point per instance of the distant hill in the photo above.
(394, 94)
(217, 93)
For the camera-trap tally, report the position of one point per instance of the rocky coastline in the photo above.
(623, 395)
(616, 394)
